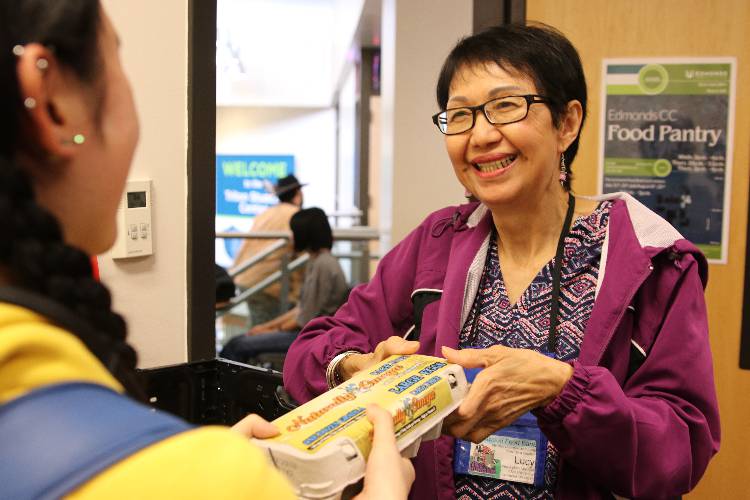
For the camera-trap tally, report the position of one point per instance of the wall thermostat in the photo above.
(134, 238)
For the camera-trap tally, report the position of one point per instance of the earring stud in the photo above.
(78, 139)
(29, 103)
(18, 50)
(42, 64)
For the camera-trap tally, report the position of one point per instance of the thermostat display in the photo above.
(134, 238)
(137, 199)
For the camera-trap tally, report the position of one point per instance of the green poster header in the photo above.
(669, 79)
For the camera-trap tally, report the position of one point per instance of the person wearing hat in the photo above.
(264, 305)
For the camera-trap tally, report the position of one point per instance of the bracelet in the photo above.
(333, 376)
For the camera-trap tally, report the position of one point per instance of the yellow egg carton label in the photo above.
(332, 432)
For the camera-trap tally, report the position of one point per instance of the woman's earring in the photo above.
(563, 171)
(77, 139)
(29, 103)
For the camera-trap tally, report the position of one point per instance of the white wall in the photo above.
(151, 291)
(416, 174)
(347, 138)
(308, 134)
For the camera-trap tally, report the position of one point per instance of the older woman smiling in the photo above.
(585, 315)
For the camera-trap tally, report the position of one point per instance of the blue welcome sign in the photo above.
(242, 180)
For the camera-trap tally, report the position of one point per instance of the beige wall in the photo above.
(637, 28)
(150, 291)
(416, 176)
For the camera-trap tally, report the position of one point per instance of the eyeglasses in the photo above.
(508, 109)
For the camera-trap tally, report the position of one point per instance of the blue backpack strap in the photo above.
(56, 438)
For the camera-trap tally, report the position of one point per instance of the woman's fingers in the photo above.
(392, 345)
(350, 365)
(255, 426)
(513, 382)
(395, 345)
(473, 358)
(389, 476)
(382, 423)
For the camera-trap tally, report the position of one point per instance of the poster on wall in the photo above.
(244, 188)
(667, 140)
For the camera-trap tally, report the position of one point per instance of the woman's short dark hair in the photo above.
(311, 230)
(537, 50)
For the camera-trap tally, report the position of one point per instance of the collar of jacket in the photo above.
(635, 235)
(628, 266)
(465, 249)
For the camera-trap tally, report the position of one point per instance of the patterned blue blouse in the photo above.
(495, 321)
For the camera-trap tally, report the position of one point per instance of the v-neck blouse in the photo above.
(525, 324)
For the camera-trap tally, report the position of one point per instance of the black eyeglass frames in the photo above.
(498, 111)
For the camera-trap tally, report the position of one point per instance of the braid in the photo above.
(32, 250)
(39, 260)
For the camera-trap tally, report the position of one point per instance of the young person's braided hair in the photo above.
(32, 251)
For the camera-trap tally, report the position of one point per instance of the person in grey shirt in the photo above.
(324, 289)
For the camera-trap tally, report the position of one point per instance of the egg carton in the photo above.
(324, 444)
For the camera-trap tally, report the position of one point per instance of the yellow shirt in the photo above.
(207, 462)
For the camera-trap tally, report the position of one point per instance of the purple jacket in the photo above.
(650, 436)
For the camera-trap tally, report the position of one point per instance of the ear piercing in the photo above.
(30, 103)
(563, 171)
(78, 139)
(41, 63)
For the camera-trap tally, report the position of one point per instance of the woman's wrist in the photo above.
(561, 374)
(334, 373)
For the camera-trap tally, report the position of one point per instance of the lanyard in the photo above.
(555, 306)
(556, 271)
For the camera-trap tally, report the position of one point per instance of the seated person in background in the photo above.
(264, 305)
(324, 289)
(225, 288)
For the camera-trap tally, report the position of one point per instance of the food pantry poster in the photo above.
(667, 140)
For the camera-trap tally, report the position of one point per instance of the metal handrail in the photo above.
(265, 282)
(356, 233)
(258, 257)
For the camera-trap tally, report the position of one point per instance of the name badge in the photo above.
(515, 453)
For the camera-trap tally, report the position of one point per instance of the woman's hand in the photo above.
(255, 426)
(388, 475)
(260, 329)
(392, 345)
(513, 382)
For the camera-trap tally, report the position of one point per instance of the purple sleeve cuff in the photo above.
(568, 399)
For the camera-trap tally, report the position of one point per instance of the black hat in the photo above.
(286, 184)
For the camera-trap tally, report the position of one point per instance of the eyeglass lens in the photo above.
(498, 111)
